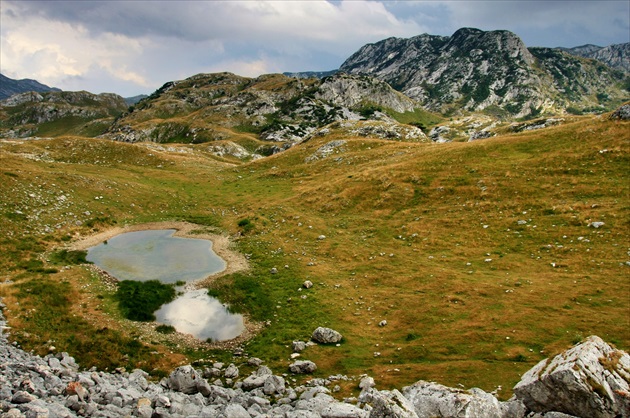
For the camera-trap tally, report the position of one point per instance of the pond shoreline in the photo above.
(221, 245)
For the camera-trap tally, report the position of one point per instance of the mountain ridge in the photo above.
(9, 86)
(476, 70)
(616, 56)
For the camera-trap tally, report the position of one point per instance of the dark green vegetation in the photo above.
(48, 308)
(138, 300)
(64, 256)
(481, 256)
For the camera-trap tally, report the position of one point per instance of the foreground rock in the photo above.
(432, 400)
(589, 380)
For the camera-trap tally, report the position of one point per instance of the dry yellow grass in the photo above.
(479, 255)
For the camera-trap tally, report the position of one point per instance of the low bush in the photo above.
(139, 300)
(69, 257)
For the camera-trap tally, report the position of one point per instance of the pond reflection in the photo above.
(158, 255)
(204, 317)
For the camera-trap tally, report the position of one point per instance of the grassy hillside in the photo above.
(478, 255)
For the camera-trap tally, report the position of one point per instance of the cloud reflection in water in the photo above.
(202, 316)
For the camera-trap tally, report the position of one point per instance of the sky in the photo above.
(132, 47)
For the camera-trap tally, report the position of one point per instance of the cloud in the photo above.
(537, 22)
(129, 40)
(139, 45)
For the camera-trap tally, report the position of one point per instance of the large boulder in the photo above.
(184, 379)
(303, 366)
(324, 335)
(589, 380)
(433, 400)
(391, 405)
(343, 410)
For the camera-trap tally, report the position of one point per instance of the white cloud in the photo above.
(137, 46)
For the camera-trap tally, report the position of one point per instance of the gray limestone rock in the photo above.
(326, 336)
(391, 405)
(274, 385)
(235, 411)
(431, 399)
(591, 379)
(231, 372)
(298, 346)
(184, 379)
(303, 366)
(343, 410)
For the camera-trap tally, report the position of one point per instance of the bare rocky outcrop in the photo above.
(623, 113)
(350, 91)
(477, 70)
(591, 379)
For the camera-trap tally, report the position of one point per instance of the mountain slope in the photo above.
(57, 113)
(9, 86)
(476, 70)
(264, 114)
(615, 56)
(483, 257)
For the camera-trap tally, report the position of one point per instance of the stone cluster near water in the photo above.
(589, 380)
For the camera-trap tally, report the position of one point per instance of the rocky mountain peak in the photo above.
(475, 70)
(499, 43)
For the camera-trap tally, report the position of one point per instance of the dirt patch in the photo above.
(221, 245)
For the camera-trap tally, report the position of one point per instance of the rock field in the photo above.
(589, 380)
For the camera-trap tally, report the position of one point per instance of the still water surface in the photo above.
(158, 255)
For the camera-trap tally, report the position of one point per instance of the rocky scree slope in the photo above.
(589, 380)
(272, 112)
(476, 70)
(54, 113)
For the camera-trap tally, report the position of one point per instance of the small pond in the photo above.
(158, 255)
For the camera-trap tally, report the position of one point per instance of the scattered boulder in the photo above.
(231, 372)
(274, 385)
(302, 367)
(596, 225)
(324, 335)
(307, 284)
(298, 346)
(589, 380)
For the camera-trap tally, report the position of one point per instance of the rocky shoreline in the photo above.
(589, 380)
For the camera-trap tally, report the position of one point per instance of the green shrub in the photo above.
(245, 225)
(63, 257)
(139, 300)
(165, 329)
